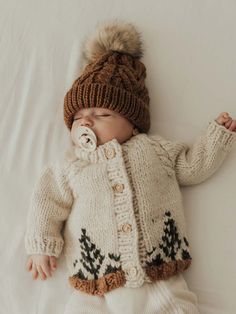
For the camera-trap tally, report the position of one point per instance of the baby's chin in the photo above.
(102, 142)
(120, 141)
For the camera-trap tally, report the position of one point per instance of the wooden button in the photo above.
(119, 187)
(131, 272)
(110, 153)
(126, 228)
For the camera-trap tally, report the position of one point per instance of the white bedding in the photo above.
(190, 60)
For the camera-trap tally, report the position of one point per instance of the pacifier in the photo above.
(85, 138)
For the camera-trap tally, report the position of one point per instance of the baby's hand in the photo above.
(42, 265)
(227, 121)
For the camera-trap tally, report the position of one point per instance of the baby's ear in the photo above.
(135, 131)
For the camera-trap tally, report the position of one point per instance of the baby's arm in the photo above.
(194, 164)
(50, 206)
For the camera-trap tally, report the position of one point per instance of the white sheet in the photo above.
(190, 59)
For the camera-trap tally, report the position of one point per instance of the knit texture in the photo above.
(113, 76)
(123, 208)
(116, 82)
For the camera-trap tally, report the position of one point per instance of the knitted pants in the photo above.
(170, 296)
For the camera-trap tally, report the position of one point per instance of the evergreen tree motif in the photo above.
(112, 269)
(91, 256)
(186, 241)
(185, 253)
(81, 275)
(114, 257)
(170, 245)
(171, 242)
(75, 262)
(156, 261)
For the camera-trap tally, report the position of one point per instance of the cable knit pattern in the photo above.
(121, 208)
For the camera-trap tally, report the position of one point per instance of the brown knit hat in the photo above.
(113, 76)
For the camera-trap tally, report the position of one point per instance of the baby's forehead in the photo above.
(93, 110)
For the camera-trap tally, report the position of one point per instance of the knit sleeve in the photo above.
(194, 164)
(50, 205)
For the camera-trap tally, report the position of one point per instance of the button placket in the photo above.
(124, 216)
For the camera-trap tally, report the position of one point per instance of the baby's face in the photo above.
(105, 123)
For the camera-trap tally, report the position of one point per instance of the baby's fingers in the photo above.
(46, 270)
(232, 126)
(34, 272)
(53, 262)
(222, 118)
(41, 273)
(29, 264)
(228, 123)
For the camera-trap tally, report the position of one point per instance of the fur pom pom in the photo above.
(116, 36)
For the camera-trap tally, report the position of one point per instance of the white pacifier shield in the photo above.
(86, 138)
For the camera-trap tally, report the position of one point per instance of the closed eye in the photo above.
(99, 115)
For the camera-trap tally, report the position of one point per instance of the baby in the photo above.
(113, 204)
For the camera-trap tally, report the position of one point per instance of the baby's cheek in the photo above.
(72, 133)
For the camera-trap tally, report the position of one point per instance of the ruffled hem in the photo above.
(167, 270)
(101, 285)
(117, 279)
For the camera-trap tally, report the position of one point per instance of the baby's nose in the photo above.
(85, 121)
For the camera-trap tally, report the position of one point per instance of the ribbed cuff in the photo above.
(221, 135)
(47, 246)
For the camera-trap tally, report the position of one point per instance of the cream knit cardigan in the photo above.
(117, 212)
